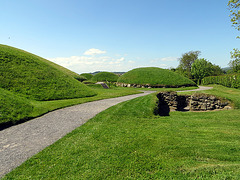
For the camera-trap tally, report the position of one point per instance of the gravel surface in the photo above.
(201, 88)
(20, 142)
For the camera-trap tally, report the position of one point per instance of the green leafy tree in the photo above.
(186, 62)
(201, 68)
(234, 6)
(235, 63)
(217, 70)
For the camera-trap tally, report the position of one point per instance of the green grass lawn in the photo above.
(128, 142)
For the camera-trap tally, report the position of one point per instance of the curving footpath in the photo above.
(20, 142)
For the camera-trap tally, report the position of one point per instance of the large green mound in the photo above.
(13, 107)
(153, 76)
(37, 78)
(105, 76)
(88, 76)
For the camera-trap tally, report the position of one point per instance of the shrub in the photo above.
(230, 80)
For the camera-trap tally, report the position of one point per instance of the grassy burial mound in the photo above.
(88, 76)
(153, 77)
(13, 107)
(37, 78)
(105, 76)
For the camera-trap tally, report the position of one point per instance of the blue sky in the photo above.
(118, 35)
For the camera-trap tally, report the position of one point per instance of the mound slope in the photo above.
(13, 106)
(37, 78)
(105, 76)
(153, 76)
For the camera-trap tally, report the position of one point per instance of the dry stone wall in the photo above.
(170, 101)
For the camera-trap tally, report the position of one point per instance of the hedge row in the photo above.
(230, 80)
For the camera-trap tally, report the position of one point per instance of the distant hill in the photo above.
(37, 78)
(226, 69)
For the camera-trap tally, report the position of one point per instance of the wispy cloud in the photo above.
(94, 51)
(169, 59)
(164, 59)
(86, 63)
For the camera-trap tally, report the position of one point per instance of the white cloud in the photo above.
(169, 59)
(165, 59)
(81, 64)
(94, 51)
(163, 65)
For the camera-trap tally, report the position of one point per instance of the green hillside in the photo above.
(37, 78)
(13, 107)
(154, 76)
(105, 76)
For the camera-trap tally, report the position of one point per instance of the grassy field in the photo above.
(128, 142)
(154, 76)
(36, 78)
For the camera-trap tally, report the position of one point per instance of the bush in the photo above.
(230, 80)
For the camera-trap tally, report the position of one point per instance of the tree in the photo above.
(235, 13)
(235, 64)
(217, 70)
(186, 62)
(201, 68)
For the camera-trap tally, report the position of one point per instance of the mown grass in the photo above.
(154, 76)
(37, 78)
(128, 142)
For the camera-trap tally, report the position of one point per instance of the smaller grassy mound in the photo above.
(37, 78)
(13, 107)
(88, 76)
(105, 76)
(154, 76)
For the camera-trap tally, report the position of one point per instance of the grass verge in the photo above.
(128, 142)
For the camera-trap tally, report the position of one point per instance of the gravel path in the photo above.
(201, 88)
(20, 142)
